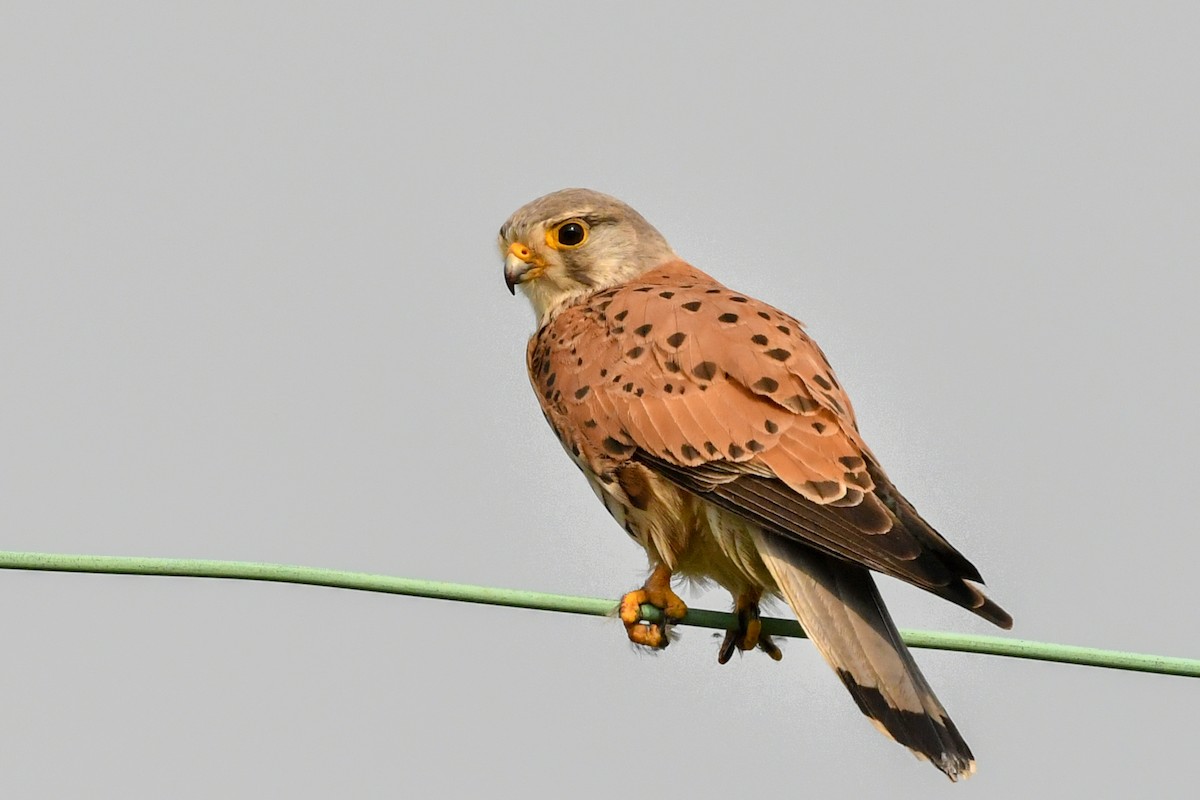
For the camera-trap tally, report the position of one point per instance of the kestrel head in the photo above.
(575, 241)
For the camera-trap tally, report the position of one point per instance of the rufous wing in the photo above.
(729, 398)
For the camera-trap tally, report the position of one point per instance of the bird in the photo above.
(714, 431)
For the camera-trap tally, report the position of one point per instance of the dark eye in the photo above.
(568, 235)
(571, 234)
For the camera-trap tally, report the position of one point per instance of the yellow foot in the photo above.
(748, 634)
(656, 592)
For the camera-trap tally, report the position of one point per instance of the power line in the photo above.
(592, 606)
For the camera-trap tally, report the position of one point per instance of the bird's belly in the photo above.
(722, 549)
(692, 537)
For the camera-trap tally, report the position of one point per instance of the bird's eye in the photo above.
(568, 235)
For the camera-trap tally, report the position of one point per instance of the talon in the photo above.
(770, 648)
(748, 635)
(657, 592)
(648, 635)
(728, 645)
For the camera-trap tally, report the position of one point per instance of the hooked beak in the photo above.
(520, 265)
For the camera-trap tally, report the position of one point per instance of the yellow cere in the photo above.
(521, 251)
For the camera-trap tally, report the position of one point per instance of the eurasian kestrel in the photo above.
(713, 429)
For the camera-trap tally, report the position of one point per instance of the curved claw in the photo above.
(748, 634)
(770, 648)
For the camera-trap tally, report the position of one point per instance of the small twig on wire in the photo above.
(593, 606)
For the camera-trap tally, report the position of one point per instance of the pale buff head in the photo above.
(573, 242)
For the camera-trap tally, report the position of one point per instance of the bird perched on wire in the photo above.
(716, 434)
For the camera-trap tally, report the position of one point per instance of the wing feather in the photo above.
(728, 398)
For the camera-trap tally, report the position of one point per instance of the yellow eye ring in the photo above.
(568, 235)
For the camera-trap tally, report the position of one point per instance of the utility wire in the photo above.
(593, 606)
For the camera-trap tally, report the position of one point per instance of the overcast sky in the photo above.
(251, 308)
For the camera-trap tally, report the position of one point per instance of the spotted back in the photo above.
(696, 374)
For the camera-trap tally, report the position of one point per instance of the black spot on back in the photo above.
(824, 489)
(801, 404)
(615, 447)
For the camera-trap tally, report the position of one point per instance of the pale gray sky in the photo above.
(250, 309)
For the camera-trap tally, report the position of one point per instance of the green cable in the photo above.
(593, 606)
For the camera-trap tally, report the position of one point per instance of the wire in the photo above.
(593, 606)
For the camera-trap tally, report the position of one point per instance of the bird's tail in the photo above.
(839, 607)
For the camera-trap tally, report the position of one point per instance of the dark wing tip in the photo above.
(974, 600)
(994, 614)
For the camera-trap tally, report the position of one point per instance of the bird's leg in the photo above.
(656, 592)
(748, 634)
